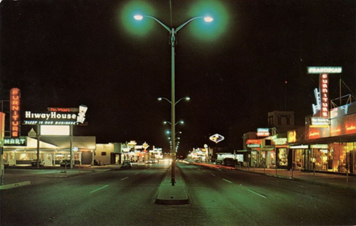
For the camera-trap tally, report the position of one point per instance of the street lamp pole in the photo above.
(173, 32)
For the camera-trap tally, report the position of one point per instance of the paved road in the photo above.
(126, 197)
(231, 197)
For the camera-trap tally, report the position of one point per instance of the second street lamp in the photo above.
(173, 32)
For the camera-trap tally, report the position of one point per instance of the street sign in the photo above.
(216, 138)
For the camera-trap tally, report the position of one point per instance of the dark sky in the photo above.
(63, 53)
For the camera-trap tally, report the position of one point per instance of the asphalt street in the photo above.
(216, 197)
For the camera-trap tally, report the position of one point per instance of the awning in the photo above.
(327, 140)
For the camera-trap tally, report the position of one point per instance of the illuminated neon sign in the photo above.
(216, 138)
(263, 132)
(350, 128)
(253, 141)
(319, 122)
(56, 116)
(322, 95)
(324, 91)
(279, 141)
(314, 134)
(20, 141)
(328, 70)
(15, 96)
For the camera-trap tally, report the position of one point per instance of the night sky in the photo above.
(63, 53)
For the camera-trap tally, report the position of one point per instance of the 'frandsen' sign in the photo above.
(321, 108)
(56, 117)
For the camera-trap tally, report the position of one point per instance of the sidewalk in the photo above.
(328, 179)
(23, 176)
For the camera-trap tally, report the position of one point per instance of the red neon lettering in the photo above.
(14, 91)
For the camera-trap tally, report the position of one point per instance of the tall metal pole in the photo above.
(38, 145)
(173, 31)
(173, 110)
(71, 159)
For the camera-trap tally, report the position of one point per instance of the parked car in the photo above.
(230, 162)
(34, 162)
(66, 162)
(126, 163)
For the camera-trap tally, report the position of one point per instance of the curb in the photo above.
(15, 185)
(172, 195)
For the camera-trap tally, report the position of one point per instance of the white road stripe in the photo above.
(257, 193)
(124, 178)
(99, 189)
(213, 174)
(227, 181)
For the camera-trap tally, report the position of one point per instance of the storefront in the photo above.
(51, 150)
(328, 156)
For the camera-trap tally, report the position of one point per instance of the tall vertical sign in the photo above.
(324, 92)
(2, 128)
(15, 95)
(321, 109)
(2, 131)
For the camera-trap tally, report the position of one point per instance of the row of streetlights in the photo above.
(172, 101)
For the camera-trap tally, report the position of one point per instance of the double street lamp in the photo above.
(179, 122)
(173, 32)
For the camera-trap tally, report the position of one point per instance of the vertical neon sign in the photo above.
(324, 91)
(15, 96)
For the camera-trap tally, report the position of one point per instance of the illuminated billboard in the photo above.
(56, 116)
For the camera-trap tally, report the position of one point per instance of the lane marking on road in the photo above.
(257, 193)
(137, 173)
(99, 189)
(227, 181)
(124, 178)
(212, 174)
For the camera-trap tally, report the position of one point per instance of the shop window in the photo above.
(103, 153)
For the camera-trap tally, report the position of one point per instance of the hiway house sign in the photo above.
(72, 117)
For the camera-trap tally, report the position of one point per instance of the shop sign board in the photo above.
(324, 92)
(328, 70)
(56, 117)
(10, 141)
(321, 108)
(254, 145)
(279, 141)
(15, 95)
(2, 127)
(253, 141)
(263, 132)
(216, 138)
(319, 122)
